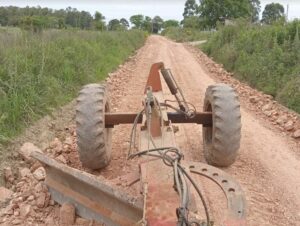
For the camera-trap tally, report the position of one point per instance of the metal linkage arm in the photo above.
(112, 119)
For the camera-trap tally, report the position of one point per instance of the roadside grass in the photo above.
(185, 34)
(41, 71)
(265, 57)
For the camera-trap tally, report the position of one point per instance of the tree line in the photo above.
(203, 15)
(38, 18)
(208, 13)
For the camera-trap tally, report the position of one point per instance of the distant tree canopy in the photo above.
(171, 23)
(37, 18)
(255, 10)
(209, 12)
(190, 8)
(212, 11)
(124, 23)
(272, 13)
(137, 21)
(99, 21)
(157, 24)
(146, 23)
(118, 25)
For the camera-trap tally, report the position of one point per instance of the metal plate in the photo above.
(92, 198)
(236, 202)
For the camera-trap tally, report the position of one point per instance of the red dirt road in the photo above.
(268, 167)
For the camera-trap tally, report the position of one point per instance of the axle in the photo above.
(113, 119)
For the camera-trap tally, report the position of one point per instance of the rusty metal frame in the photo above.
(154, 78)
(92, 198)
(113, 119)
(97, 200)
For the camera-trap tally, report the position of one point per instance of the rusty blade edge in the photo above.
(89, 194)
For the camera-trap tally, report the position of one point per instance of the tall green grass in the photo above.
(39, 72)
(266, 57)
(179, 34)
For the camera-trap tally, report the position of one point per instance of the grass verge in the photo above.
(39, 72)
(265, 57)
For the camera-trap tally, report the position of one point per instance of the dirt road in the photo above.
(268, 167)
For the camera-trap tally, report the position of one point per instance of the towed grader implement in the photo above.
(171, 194)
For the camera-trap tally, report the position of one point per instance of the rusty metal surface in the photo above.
(162, 200)
(112, 119)
(204, 118)
(92, 198)
(154, 78)
(168, 79)
(236, 202)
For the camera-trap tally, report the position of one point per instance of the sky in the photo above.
(167, 9)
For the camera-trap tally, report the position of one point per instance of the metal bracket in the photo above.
(235, 196)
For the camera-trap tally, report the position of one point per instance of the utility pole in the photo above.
(287, 12)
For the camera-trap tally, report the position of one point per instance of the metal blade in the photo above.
(92, 198)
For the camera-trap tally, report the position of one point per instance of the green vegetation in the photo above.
(40, 71)
(37, 18)
(185, 34)
(273, 12)
(209, 13)
(146, 23)
(266, 57)
(118, 25)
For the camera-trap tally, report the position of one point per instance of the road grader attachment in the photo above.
(169, 184)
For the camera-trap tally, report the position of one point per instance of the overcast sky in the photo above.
(167, 9)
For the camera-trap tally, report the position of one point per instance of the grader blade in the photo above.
(92, 198)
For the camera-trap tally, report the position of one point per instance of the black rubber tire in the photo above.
(222, 140)
(93, 139)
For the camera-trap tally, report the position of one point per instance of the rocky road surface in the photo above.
(268, 167)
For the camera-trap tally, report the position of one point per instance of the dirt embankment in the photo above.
(268, 166)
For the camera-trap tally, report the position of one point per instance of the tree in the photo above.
(98, 16)
(72, 17)
(147, 24)
(171, 23)
(212, 11)
(190, 8)
(61, 23)
(124, 23)
(192, 22)
(157, 24)
(272, 13)
(85, 20)
(99, 23)
(255, 10)
(114, 25)
(137, 20)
